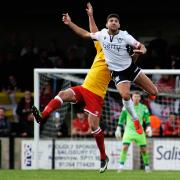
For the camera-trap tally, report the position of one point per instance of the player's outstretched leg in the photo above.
(104, 164)
(54, 104)
(128, 104)
(37, 114)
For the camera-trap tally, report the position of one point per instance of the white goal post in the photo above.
(37, 73)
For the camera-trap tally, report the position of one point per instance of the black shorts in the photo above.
(128, 74)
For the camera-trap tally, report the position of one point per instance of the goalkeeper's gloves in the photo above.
(118, 134)
(149, 131)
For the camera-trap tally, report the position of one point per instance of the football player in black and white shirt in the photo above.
(123, 70)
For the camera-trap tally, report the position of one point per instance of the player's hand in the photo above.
(89, 9)
(138, 51)
(66, 18)
(149, 131)
(118, 134)
(141, 50)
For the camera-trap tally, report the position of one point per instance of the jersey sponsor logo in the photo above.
(111, 47)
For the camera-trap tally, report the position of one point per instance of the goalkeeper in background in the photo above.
(130, 133)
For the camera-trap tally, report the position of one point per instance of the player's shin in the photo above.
(52, 106)
(130, 108)
(99, 137)
(145, 157)
(123, 156)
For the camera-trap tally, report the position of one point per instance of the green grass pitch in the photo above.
(87, 175)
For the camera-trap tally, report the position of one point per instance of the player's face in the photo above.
(136, 98)
(113, 24)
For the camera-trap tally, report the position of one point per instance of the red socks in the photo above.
(52, 106)
(99, 137)
(151, 97)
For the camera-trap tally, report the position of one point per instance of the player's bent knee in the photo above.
(94, 127)
(66, 95)
(62, 94)
(143, 151)
(125, 147)
(125, 96)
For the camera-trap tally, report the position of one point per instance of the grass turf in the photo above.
(86, 175)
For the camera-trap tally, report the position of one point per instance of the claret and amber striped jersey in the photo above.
(98, 76)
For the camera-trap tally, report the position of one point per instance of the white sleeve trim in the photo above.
(94, 36)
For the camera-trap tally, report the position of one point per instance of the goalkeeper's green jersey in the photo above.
(125, 118)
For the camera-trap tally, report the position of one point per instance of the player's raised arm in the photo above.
(79, 31)
(92, 24)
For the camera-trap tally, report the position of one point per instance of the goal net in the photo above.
(48, 82)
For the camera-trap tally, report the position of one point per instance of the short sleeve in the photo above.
(131, 40)
(95, 36)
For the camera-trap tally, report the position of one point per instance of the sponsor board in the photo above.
(28, 155)
(166, 155)
(85, 155)
(72, 154)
